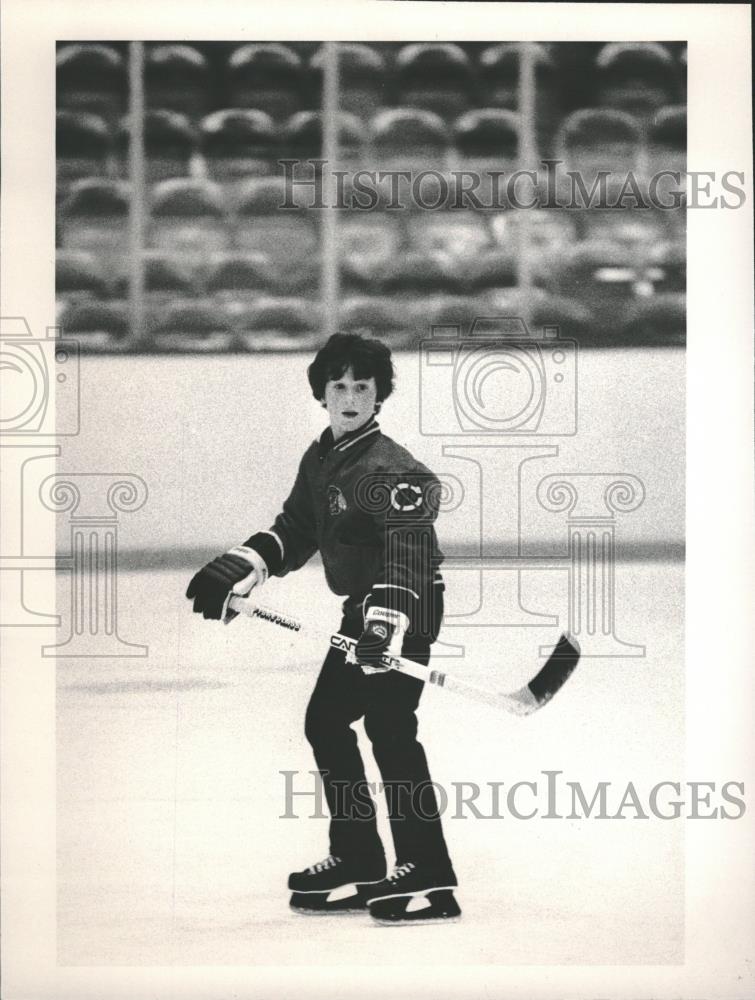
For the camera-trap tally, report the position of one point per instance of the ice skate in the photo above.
(334, 886)
(412, 894)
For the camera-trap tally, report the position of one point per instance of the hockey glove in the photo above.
(383, 633)
(235, 572)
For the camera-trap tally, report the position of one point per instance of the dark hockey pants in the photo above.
(387, 702)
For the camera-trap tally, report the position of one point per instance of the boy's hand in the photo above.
(372, 644)
(383, 633)
(237, 571)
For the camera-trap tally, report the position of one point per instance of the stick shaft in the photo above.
(520, 702)
(243, 606)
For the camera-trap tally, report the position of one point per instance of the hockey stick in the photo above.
(523, 701)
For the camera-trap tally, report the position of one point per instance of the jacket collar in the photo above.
(348, 441)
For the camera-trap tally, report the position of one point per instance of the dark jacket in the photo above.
(368, 506)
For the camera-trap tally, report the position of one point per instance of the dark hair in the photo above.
(366, 358)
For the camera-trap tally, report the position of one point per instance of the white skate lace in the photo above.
(322, 866)
(400, 871)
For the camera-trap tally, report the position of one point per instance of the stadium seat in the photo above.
(79, 277)
(549, 234)
(97, 326)
(164, 278)
(487, 139)
(242, 277)
(377, 316)
(415, 273)
(238, 144)
(188, 219)
(667, 141)
(636, 77)
(486, 143)
(368, 236)
(667, 268)
(82, 146)
(362, 78)
(494, 268)
(187, 326)
(238, 278)
(659, 320)
(499, 82)
(279, 324)
(551, 230)
(91, 78)
(365, 276)
(302, 139)
(287, 235)
(266, 76)
(79, 274)
(176, 78)
(573, 319)
(459, 234)
(593, 140)
(507, 307)
(449, 310)
(170, 142)
(436, 77)
(636, 230)
(603, 278)
(94, 218)
(411, 280)
(417, 283)
(410, 139)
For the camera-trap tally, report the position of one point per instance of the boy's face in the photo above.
(350, 402)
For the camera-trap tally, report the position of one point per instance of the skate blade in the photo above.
(341, 911)
(440, 907)
(416, 894)
(344, 899)
(416, 922)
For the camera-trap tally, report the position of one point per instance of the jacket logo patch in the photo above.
(406, 496)
(336, 501)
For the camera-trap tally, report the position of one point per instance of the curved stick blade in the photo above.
(548, 681)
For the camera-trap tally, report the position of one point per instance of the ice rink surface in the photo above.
(173, 849)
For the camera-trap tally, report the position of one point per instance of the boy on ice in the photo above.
(368, 506)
